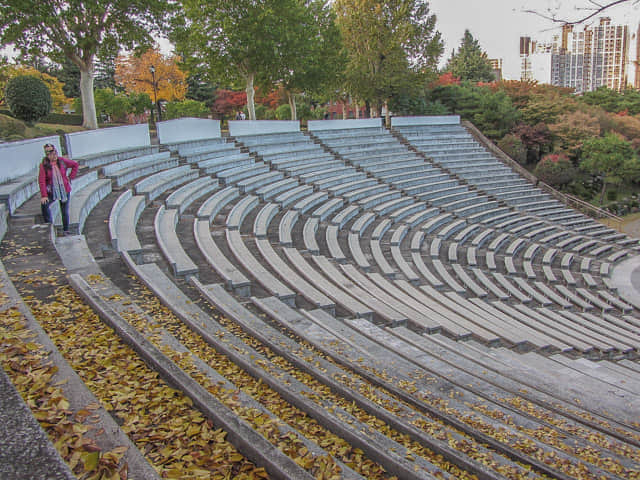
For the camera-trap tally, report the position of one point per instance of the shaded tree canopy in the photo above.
(608, 157)
(241, 42)
(470, 62)
(79, 30)
(392, 46)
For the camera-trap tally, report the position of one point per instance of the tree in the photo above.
(68, 74)
(314, 56)
(555, 169)
(537, 140)
(105, 69)
(496, 115)
(392, 46)
(547, 107)
(572, 130)
(200, 89)
(518, 91)
(28, 98)
(227, 102)
(186, 108)
(608, 157)
(513, 146)
(56, 89)
(79, 30)
(470, 62)
(167, 82)
(235, 42)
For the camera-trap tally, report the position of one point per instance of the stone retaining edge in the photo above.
(255, 447)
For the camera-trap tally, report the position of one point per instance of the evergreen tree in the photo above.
(470, 62)
(69, 74)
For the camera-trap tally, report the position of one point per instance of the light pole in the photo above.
(152, 69)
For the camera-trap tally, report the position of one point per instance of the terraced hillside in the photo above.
(348, 302)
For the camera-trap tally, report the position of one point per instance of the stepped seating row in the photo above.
(333, 272)
(455, 149)
(282, 307)
(244, 224)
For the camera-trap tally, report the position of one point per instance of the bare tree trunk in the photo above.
(602, 192)
(345, 110)
(250, 96)
(292, 105)
(89, 119)
(387, 114)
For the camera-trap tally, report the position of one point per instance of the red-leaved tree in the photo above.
(228, 102)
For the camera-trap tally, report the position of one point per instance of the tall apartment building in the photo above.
(496, 66)
(583, 59)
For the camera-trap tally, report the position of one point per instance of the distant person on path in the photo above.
(55, 184)
(238, 117)
(242, 115)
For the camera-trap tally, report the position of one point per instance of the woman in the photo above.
(55, 184)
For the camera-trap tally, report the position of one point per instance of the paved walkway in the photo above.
(632, 228)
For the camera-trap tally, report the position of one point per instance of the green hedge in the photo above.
(62, 119)
(59, 118)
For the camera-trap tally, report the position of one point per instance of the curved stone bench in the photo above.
(245, 258)
(164, 226)
(88, 191)
(123, 219)
(125, 171)
(232, 276)
(240, 210)
(184, 196)
(297, 282)
(216, 202)
(155, 185)
(338, 295)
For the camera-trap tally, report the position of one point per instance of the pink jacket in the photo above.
(45, 176)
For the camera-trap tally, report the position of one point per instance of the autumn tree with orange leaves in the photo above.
(133, 73)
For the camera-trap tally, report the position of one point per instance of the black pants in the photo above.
(64, 210)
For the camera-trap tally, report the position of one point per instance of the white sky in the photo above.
(499, 24)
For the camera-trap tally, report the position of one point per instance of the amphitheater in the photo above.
(347, 301)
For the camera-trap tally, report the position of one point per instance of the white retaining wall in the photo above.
(238, 128)
(187, 130)
(427, 120)
(343, 124)
(23, 157)
(92, 142)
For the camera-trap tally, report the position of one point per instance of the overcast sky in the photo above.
(499, 24)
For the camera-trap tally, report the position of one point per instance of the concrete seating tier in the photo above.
(211, 152)
(106, 158)
(155, 185)
(186, 146)
(456, 308)
(88, 191)
(268, 191)
(165, 228)
(125, 171)
(214, 165)
(123, 219)
(184, 196)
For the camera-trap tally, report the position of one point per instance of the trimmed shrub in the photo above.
(62, 119)
(28, 98)
(513, 146)
(555, 170)
(283, 112)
